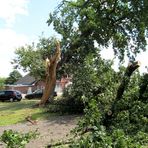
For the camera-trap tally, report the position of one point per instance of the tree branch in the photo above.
(130, 69)
(143, 87)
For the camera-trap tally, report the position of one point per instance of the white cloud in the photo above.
(142, 57)
(10, 8)
(9, 41)
(9, 38)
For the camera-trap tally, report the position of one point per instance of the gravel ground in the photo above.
(54, 129)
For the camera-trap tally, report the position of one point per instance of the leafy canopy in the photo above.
(122, 23)
(2, 82)
(32, 57)
(13, 77)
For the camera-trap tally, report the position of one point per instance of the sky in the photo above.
(23, 21)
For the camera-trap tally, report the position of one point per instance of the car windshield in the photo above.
(9, 92)
(38, 91)
(2, 92)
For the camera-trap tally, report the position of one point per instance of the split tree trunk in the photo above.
(51, 65)
(126, 78)
(143, 88)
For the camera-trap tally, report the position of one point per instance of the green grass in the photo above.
(16, 112)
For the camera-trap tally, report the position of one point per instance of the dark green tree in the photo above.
(85, 23)
(13, 77)
(2, 83)
(31, 58)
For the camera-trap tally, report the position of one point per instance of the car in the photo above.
(37, 94)
(10, 95)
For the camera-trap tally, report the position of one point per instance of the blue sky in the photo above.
(23, 21)
(35, 23)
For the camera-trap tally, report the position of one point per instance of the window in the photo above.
(8, 92)
(18, 93)
(2, 92)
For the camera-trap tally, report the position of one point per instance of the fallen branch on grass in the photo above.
(59, 143)
(33, 122)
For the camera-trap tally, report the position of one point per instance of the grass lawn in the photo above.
(15, 112)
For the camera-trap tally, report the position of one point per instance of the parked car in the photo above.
(37, 94)
(11, 95)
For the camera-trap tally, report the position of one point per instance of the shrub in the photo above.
(128, 125)
(65, 105)
(14, 139)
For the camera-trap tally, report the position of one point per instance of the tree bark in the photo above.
(143, 87)
(126, 78)
(51, 65)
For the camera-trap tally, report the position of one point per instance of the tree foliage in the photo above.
(13, 77)
(96, 84)
(86, 26)
(14, 139)
(2, 83)
(128, 126)
(32, 57)
(121, 23)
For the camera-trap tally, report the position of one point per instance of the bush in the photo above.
(65, 105)
(14, 139)
(128, 125)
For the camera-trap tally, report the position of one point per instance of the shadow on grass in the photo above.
(56, 118)
(14, 106)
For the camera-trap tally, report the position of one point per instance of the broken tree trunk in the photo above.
(126, 78)
(143, 88)
(124, 83)
(51, 65)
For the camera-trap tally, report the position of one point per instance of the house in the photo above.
(28, 84)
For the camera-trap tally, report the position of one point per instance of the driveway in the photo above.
(54, 129)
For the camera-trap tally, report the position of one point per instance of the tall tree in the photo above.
(40, 61)
(85, 23)
(13, 77)
(51, 65)
(2, 83)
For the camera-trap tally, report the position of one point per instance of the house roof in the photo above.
(26, 80)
